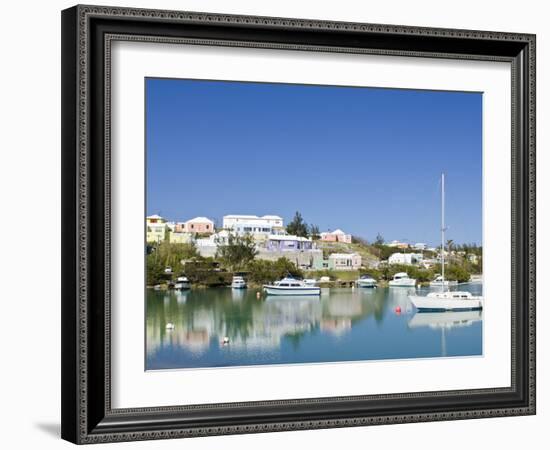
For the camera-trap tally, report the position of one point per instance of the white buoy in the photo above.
(169, 326)
(225, 340)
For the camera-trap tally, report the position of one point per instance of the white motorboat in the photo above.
(238, 282)
(365, 281)
(310, 281)
(290, 286)
(439, 281)
(182, 283)
(446, 300)
(401, 279)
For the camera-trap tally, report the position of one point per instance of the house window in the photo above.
(207, 227)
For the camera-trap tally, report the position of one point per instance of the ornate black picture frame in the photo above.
(87, 33)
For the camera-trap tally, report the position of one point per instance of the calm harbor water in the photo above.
(343, 324)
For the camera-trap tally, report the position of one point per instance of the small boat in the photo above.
(401, 279)
(439, 281)
(447, 301)
(366, 281)
(290, 286)
(238, 282)
(182, 283)
(310, 281)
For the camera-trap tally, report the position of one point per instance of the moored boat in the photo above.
(291, 286)
(401, 279)
(440, 281)
(182, 283)
(238, 282)
(366, 281)
(447, 301)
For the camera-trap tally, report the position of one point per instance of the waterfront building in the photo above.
(179, 227)
(208, 246)
(202, 225)
(176, 237)
(336, 236)
(405, 258)
(259, 227)
(398, 244)
(344, 261)
(157, 228)
(285, 242)
(473, 258)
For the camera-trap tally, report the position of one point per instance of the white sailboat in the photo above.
(446, 300)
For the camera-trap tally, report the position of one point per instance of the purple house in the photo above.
(278, 242)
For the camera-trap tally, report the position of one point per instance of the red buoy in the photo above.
(398, 309)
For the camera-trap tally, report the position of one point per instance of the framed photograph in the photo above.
(278, 224)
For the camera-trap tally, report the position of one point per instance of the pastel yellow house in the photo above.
(157, 229)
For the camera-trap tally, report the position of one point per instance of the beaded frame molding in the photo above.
(87, 35)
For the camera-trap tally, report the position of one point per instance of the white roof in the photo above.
(287, 237)
(154, 216)
(342, 255)
(338, 231)
(247, 216)
(272, 217)
(240, 216)
(199, 220)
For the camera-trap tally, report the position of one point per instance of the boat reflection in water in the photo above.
(445, 321)
(218, 327)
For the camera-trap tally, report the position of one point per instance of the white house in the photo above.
(260, 227)
(344, 261)
(405, 258)
(398, 244)
(420, 246)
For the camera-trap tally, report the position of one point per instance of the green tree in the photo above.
(155, 270)
(237, 251)
(264, 271)
(314, 232)
(297, 226)
(450, 245)
(379, 239)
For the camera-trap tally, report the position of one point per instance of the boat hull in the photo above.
(443, 284)
(277, 290)
(366, 284)
(431, 304)
(411, 283)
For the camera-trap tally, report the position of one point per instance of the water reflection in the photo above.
(224, 326)
(445, 321)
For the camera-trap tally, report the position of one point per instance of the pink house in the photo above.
(201, 225)
(336, 236)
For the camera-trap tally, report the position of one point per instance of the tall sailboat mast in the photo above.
(443, 230)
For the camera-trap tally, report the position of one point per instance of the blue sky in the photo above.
(366, 160)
